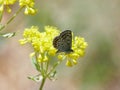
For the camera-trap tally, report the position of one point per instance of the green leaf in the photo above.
(36, 64)
(53, 76)
(1, 26)
(8, 35)
(36, 78)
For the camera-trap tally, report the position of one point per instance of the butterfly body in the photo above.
(63, 42)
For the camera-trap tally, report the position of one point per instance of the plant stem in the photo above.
(42, 84)
(11, 18)
(53, 68)
(44, 77)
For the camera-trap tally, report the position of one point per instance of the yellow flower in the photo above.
(6, 3)
(42, 43)
(78, 45)
(29, 6)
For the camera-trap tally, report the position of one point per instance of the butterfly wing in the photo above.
(66, 38)
(63, 42)
(56, 42)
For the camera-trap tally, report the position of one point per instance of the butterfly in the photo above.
(63, 42)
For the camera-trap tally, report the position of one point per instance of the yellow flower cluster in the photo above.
(27, 4)
(78, 45)
(6, 3)
(42, 42)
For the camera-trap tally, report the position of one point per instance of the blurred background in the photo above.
(98, 21)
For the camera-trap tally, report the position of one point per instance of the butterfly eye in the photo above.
(63, 42)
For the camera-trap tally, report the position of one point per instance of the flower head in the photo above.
(42, 43)
(29, 6)
(78, 45)
(6, 3)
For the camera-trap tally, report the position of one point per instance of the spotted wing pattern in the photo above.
(63, 42)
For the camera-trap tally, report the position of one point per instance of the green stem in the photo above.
(38, 66)
(1, 14)
(53, 68)
(42, 84)
(11, 18)
(47, 65)
(44, 77)
(42, 68)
